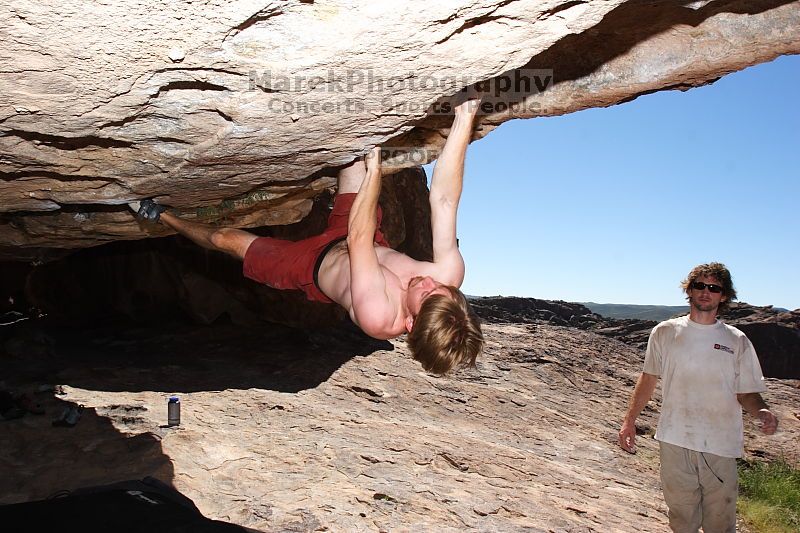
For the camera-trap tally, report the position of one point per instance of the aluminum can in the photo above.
(174, 411)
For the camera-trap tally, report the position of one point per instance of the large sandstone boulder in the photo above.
(239, 112)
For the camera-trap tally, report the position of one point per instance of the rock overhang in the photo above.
(240, 112)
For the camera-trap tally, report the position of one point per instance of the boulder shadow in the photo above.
(115, 443)
(41, 461)
(180, 356)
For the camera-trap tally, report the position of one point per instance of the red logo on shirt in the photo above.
(723, 348)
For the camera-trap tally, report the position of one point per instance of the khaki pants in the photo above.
(700, 489)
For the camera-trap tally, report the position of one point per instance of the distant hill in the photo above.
(641, 312)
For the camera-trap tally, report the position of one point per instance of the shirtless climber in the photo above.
(385, 292)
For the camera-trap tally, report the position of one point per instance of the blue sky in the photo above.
(616, 205)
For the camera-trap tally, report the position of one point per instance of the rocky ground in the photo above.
(291, 430)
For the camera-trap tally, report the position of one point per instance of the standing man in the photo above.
(710, 371)
(386, 293)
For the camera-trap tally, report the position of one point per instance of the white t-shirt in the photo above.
(702, 368)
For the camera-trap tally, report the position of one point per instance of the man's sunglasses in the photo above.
(699, 285)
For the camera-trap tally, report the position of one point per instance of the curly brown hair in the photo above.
(712, 270)
(446, 333)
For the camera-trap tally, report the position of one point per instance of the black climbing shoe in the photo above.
(69, 417)
(150, 211)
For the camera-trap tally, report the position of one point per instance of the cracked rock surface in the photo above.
(292, 430)
(234, 109)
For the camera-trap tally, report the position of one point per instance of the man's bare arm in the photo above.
(446, 187)
(641, 395)
(372, 309)
(755, 405)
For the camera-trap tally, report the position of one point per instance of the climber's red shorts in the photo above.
(285, 264)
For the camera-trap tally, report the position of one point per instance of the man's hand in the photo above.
(754, 404)
(767, 421)
(468, 107)
(373, 161)
(642, 393)
(627, 436)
